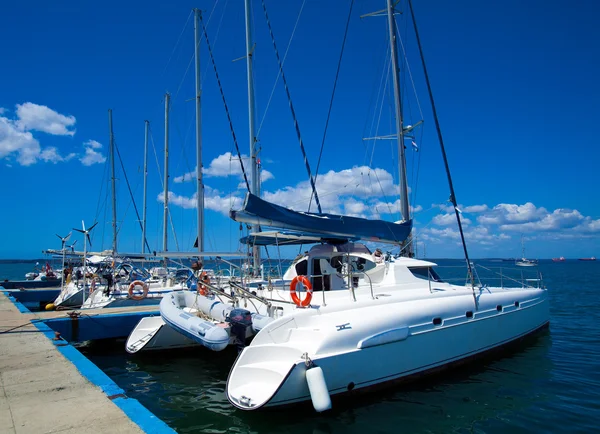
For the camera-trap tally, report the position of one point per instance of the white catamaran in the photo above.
(367, 320)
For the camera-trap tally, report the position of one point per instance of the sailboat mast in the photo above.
(112, 171)
(146, 126)
(200, 185)
(254, 176)
(166, 182)
(404, 205)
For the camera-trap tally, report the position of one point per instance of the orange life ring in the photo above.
(141, 296)
(304, 280)
(202, 282)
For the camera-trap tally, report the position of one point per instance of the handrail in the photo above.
(249, 294)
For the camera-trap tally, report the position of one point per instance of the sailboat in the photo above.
(524, 262)
(363, 321)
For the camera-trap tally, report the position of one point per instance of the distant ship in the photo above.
(593, 258)
(561, 259)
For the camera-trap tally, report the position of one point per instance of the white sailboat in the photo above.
(524, 262)
(368, 321)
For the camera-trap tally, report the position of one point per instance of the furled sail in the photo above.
(260, 212)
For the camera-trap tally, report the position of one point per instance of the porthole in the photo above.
(516, 304)
(350, 386)
(499, 308)
(469, 314)
(437, 321)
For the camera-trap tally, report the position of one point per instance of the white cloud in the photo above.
(52, 155)
(510, 214)
(337, 188)
(478, 234)
(93, 144)
(13, 140)
(222, 166)
(449, 219)
(213, 200)
(559, 219)
(474, 208)
(16, 137)
(225, 165)
(91, 156)
(42, 118)
(379, 207)
(190, 176)
(265, 175)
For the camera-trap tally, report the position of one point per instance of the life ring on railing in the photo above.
(203, 282)
(144, 293)
(304, 280)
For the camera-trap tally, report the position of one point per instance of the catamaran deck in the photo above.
(47, 385)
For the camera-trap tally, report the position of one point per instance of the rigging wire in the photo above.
(130, 192)
(279, 72)
(177, 43)
(289, 97)
(441, 140)
(337, 74)
(235, 142)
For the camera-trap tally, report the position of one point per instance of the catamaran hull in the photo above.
(397, 352)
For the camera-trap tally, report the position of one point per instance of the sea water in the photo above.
(550, 384)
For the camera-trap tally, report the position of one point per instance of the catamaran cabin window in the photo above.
(359, 264)
(426, 273)
(302, 267)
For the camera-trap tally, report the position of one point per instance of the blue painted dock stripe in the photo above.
(138, 414)
(22, 308)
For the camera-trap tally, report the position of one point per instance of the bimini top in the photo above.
(260, 212)
(289, 238)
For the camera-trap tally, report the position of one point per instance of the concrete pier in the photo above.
(47, 386)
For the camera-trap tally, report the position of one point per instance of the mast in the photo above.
(112, 171)
(146, 126)
(166, 182)
(254, 176)
(200, 185)
(404, 205)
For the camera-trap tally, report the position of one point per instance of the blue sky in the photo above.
(515, 85)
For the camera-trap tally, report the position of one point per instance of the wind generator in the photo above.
(86, 233)
(62, 247)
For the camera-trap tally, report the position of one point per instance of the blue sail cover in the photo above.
(260, 212)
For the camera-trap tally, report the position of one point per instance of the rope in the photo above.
(289, 97)
(212, 59)
(337, 73)
(19, 326)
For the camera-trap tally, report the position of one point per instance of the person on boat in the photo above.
(378, 255)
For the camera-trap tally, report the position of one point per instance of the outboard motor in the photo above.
(240, 320)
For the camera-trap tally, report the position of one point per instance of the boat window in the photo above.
(359, 264)
(427, 273)
(302, 267)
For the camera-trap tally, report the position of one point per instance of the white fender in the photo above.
(319, 394)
